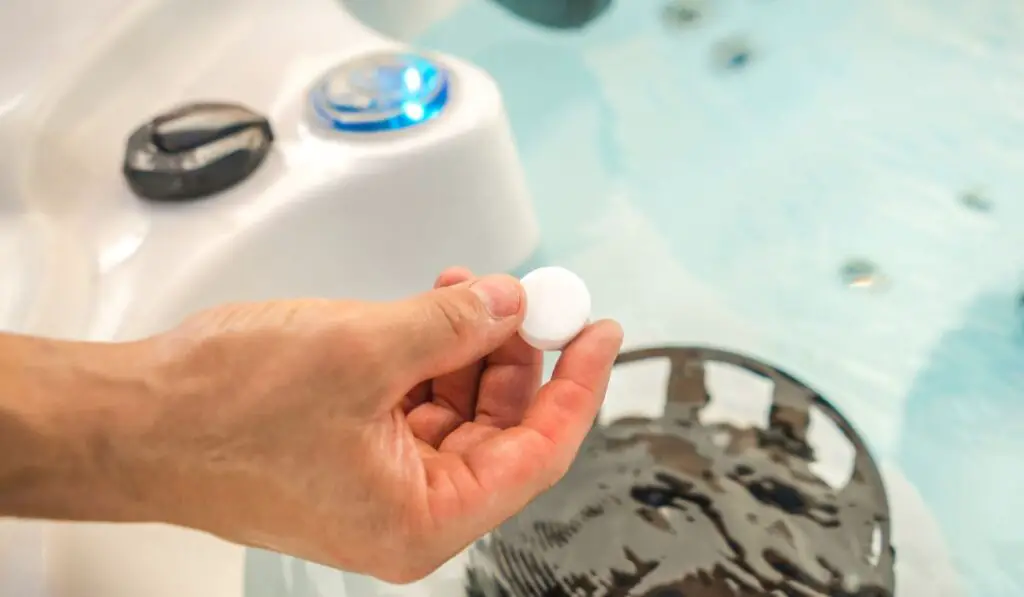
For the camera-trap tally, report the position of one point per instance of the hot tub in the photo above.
(349, 201)
(833, 189)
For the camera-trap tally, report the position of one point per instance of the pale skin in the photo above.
(379, 438)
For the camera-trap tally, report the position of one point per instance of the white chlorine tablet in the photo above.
(557, 307)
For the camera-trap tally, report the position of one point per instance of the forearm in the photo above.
(69, 413)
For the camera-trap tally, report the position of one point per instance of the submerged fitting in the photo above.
(557, 14)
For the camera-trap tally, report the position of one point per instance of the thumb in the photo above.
(447, 328)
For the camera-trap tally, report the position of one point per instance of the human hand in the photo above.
(380, 438)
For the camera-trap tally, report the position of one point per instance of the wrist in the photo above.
(71, 415)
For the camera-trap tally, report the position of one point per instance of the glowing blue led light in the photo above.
(380, 92)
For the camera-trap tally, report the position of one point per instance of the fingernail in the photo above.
(501, 295)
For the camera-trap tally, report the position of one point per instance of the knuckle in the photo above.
(457, 318)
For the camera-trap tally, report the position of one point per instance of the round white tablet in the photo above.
(557, 307)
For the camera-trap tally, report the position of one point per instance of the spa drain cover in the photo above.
(195, 150)
(681, 506)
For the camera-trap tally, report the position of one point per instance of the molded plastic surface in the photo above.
(19, 261)
(729, 158)
(370, 216)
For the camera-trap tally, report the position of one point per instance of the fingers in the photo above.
(448, 328)
(509, 382)
(452, 276)
(498, 476)
(450, 399)
(457, 390)
(432, 423)
(566, 407)
(501, 390)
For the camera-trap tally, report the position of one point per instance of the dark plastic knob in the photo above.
(557, 14)
(195, 151)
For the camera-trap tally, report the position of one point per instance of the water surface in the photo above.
(834, 187)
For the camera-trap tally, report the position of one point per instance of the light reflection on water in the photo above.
(713, 205)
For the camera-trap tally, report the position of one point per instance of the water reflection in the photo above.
(675, 506)
(962, 437)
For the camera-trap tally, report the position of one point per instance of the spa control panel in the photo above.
(382, 91)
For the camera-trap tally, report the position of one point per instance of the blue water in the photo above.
(712, 199)
(709, 199)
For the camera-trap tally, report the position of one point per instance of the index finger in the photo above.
(535, 454)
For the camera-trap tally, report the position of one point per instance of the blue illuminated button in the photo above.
(384, 91)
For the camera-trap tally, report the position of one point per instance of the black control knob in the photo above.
(557, 14)
(195, 151)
